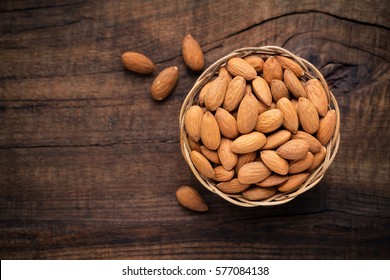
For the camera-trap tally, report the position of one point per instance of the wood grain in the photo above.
(89, 163)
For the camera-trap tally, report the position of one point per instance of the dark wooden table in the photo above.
(89, 163)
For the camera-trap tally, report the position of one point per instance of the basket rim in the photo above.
(315, 175)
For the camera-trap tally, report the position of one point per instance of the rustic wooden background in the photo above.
(89, 163)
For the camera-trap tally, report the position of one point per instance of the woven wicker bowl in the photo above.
(315, 175)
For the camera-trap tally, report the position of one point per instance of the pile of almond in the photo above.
(259, 127)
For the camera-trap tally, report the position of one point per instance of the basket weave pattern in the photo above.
(315, 175)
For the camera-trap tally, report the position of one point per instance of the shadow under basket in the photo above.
(314, 176)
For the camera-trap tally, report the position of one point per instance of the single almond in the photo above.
(300, 165)
(293, 84)
(247, 114)
(243, 159)
(194, 146)
(203, 92)
(279, 90)
(227, 123)
(269, 121)
(272, 70)
(262, 90)
(202, 164)
(256, 61)
(318, 159)
(272, 180)
(234, 94)
(164, 83)
(315, 145)
(212, 156)
(327, 127)
(258, 193)
(216, 94)
(290, 116)
(277, 139)
(138, 62)
(224, 73)
(316, 93)
(293, 182)
(261, 107)
(274, 162)
(191, 199)
(248, 143)
(232, 186)
(209, 132)
(253, 172)
(227, 157)
(308, 115)
(239, 67)
(192, 53)
(193, 121)
(293, 149)
(288, 63)
(223, 175)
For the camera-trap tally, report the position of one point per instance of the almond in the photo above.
(247, 114)
(239, 67)
(193, 121)
(261, 107)
(315, 145)
(248, 143)
(262, 90)
(294, 102)
(293, 149)
(277, 139)
(274, 162)
(290, 116)
(210, 155)
(209, 132)
(256, 61)
(272, 70)
(253, 172)
(316, 93)
(194, 145)
(203, 92)
(279, 90)
(192, 53)
(300, 165)
(232, 186)
(202, 164)
(326, 127)
(234, 93)
(226, 156)
(224, 73)
(293, 84)
(269, 121)
(223, 175)
(216, 94)
(191, 199)
(293, 182)
(318, 159)
(308, 115)
(227, 123)
(258, 193)
(288, 63)
(273, 180)
(243, 159)
(164, 83)
(137, 62)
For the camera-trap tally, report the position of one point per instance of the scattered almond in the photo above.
(164, 83)
(192, 53)
(191, 199)
(138, 62)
